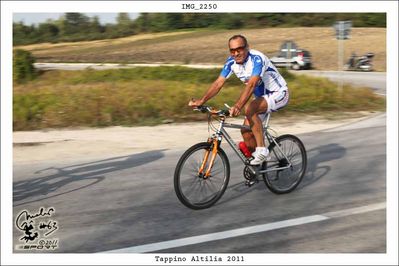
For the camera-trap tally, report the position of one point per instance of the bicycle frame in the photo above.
(203, 171)
(221, 132)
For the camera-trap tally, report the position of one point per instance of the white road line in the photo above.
(368, 208)
(247, 230)
(221, 235)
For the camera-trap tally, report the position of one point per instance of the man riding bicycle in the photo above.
(263, 80)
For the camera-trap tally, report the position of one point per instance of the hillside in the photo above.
(206, 46)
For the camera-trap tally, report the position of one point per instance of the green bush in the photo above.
(23, 69)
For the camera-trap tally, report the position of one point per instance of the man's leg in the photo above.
(256, 107)
(248, 137)
(254, 139)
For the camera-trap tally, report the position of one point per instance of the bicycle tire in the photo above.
(274, 180)
(180, 179)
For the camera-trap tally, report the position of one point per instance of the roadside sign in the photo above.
(342, 29)
(287, 48)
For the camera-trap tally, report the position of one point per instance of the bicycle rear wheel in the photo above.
(193, 187)
(290, 149)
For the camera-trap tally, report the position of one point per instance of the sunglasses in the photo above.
(238, 49)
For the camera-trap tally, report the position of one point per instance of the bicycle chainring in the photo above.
(248, 175)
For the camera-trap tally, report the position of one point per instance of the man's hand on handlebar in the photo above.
(195, 102)
(234, 111)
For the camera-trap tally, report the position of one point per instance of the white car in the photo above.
(300, 59)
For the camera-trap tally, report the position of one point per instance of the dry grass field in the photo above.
(210, 47)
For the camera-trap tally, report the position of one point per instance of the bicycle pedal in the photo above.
(248, 161)
(250, 183)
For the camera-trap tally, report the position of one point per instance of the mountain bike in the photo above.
(203, 171)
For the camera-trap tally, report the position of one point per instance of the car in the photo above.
(292, 57)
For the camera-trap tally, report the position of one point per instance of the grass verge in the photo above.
(149, 96)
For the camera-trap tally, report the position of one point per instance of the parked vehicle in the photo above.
(292, 57)
(360, 63)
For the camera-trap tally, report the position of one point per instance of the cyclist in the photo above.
(263, 80)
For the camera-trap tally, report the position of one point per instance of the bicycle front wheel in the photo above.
(290, 150)
(194, 188)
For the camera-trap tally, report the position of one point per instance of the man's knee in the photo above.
(246, 133)
(250, 112)
(254, 108)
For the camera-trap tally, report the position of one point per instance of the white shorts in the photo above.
(275, 101)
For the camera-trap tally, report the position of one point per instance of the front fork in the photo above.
(215, 143)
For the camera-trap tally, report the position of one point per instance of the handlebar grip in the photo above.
(224, 112)
(205, 109)
(201, 108)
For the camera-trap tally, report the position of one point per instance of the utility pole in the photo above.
(342, 30)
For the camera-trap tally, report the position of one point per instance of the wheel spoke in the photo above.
(195, 189)
(289, 148)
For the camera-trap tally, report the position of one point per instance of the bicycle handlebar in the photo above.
(208, 109)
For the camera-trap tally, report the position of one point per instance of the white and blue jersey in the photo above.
(256, 64)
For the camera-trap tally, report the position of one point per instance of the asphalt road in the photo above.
(373, 80)
(120, 204)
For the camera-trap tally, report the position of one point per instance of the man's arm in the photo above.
(245, 95)
(211, 92)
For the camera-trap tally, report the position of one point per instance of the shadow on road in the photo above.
(315, 171)
(236, 191)
(50, 186)
(317, 156)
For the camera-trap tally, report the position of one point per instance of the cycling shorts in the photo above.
(275, 101)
